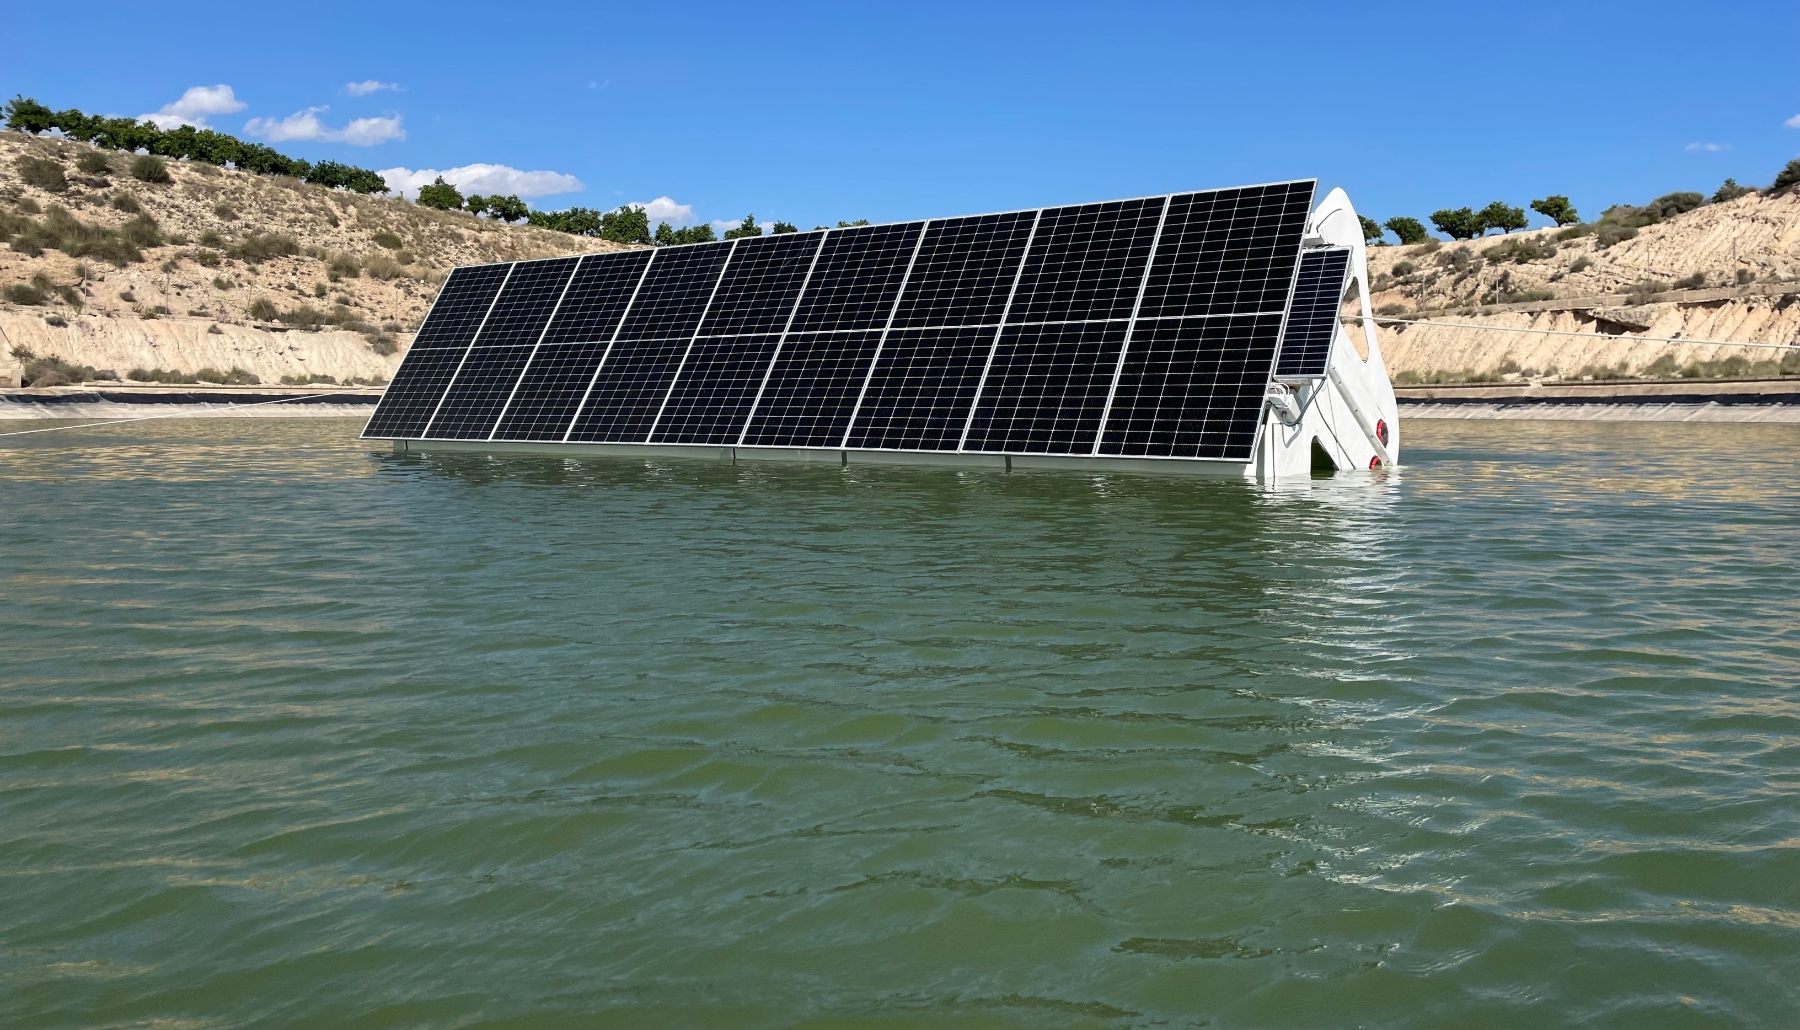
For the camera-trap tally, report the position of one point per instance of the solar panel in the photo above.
(479, 389)
(569, 354)
(412, 397)
(1134, 328)
(811, 390)
(919, 394)
(1313, 319)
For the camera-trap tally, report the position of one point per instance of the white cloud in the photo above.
(195, 106)
(722, 224)
(665, 209)
(1793, 123)
(307, 125)
(1706, 148)
(367, 86)
(482, 178)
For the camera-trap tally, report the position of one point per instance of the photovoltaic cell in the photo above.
(761, 284)
(712, 396)
(812, 389)
(1192, 388)
(574, 344)
(1313, 319)
(1227, 251)
(411, 398)
(1046, 389)
(550, 391)
(597, 297)
(675, 291)
(629, 392)
(474, 399)
(1086, 262)
(964, 270)
(857, 276)
(919, 394)
(461, 305)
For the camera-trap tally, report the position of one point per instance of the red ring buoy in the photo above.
(1381, 431)
(1375, 462)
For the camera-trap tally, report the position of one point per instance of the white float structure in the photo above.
(1349, 418)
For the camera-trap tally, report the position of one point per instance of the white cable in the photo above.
(175, 414)
(1570, 332)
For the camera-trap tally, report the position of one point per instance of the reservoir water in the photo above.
(295, 731)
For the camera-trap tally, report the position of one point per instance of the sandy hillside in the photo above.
(348, 276)
(1728, 271)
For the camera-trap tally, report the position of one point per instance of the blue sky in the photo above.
(815, 112)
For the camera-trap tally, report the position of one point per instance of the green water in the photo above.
(300, 733)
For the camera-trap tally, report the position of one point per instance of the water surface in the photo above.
(294, 731)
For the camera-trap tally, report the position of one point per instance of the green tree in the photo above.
(508, 208)
(667, 236)
(1557, 208)
(745, 229)
(475, 204)
(1458, 224)
(851, 225)
(440, 195)
(76, 125)
(783, 227)
(1730, 190)
(1501, 216)
(1409, 230)
(27, 115)
(626, 225)
(1371, 229)
(1787, 177)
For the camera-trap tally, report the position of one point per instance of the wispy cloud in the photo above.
(1707, 148)
(482, 178)
(195, 106)
(722, 224)
(666, 209)
(1793, 123)
(307, 125)
(367, 86)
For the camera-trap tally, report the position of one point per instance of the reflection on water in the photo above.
(304, 731)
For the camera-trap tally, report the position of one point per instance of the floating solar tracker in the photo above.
(1156, 328)
(1313, 317)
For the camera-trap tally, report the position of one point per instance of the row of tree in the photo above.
(187, 143)
(1466, 223)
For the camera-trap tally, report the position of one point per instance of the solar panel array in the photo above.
(1313, 318)
(1126, 328)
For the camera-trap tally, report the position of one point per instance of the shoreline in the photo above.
(1768, 401)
